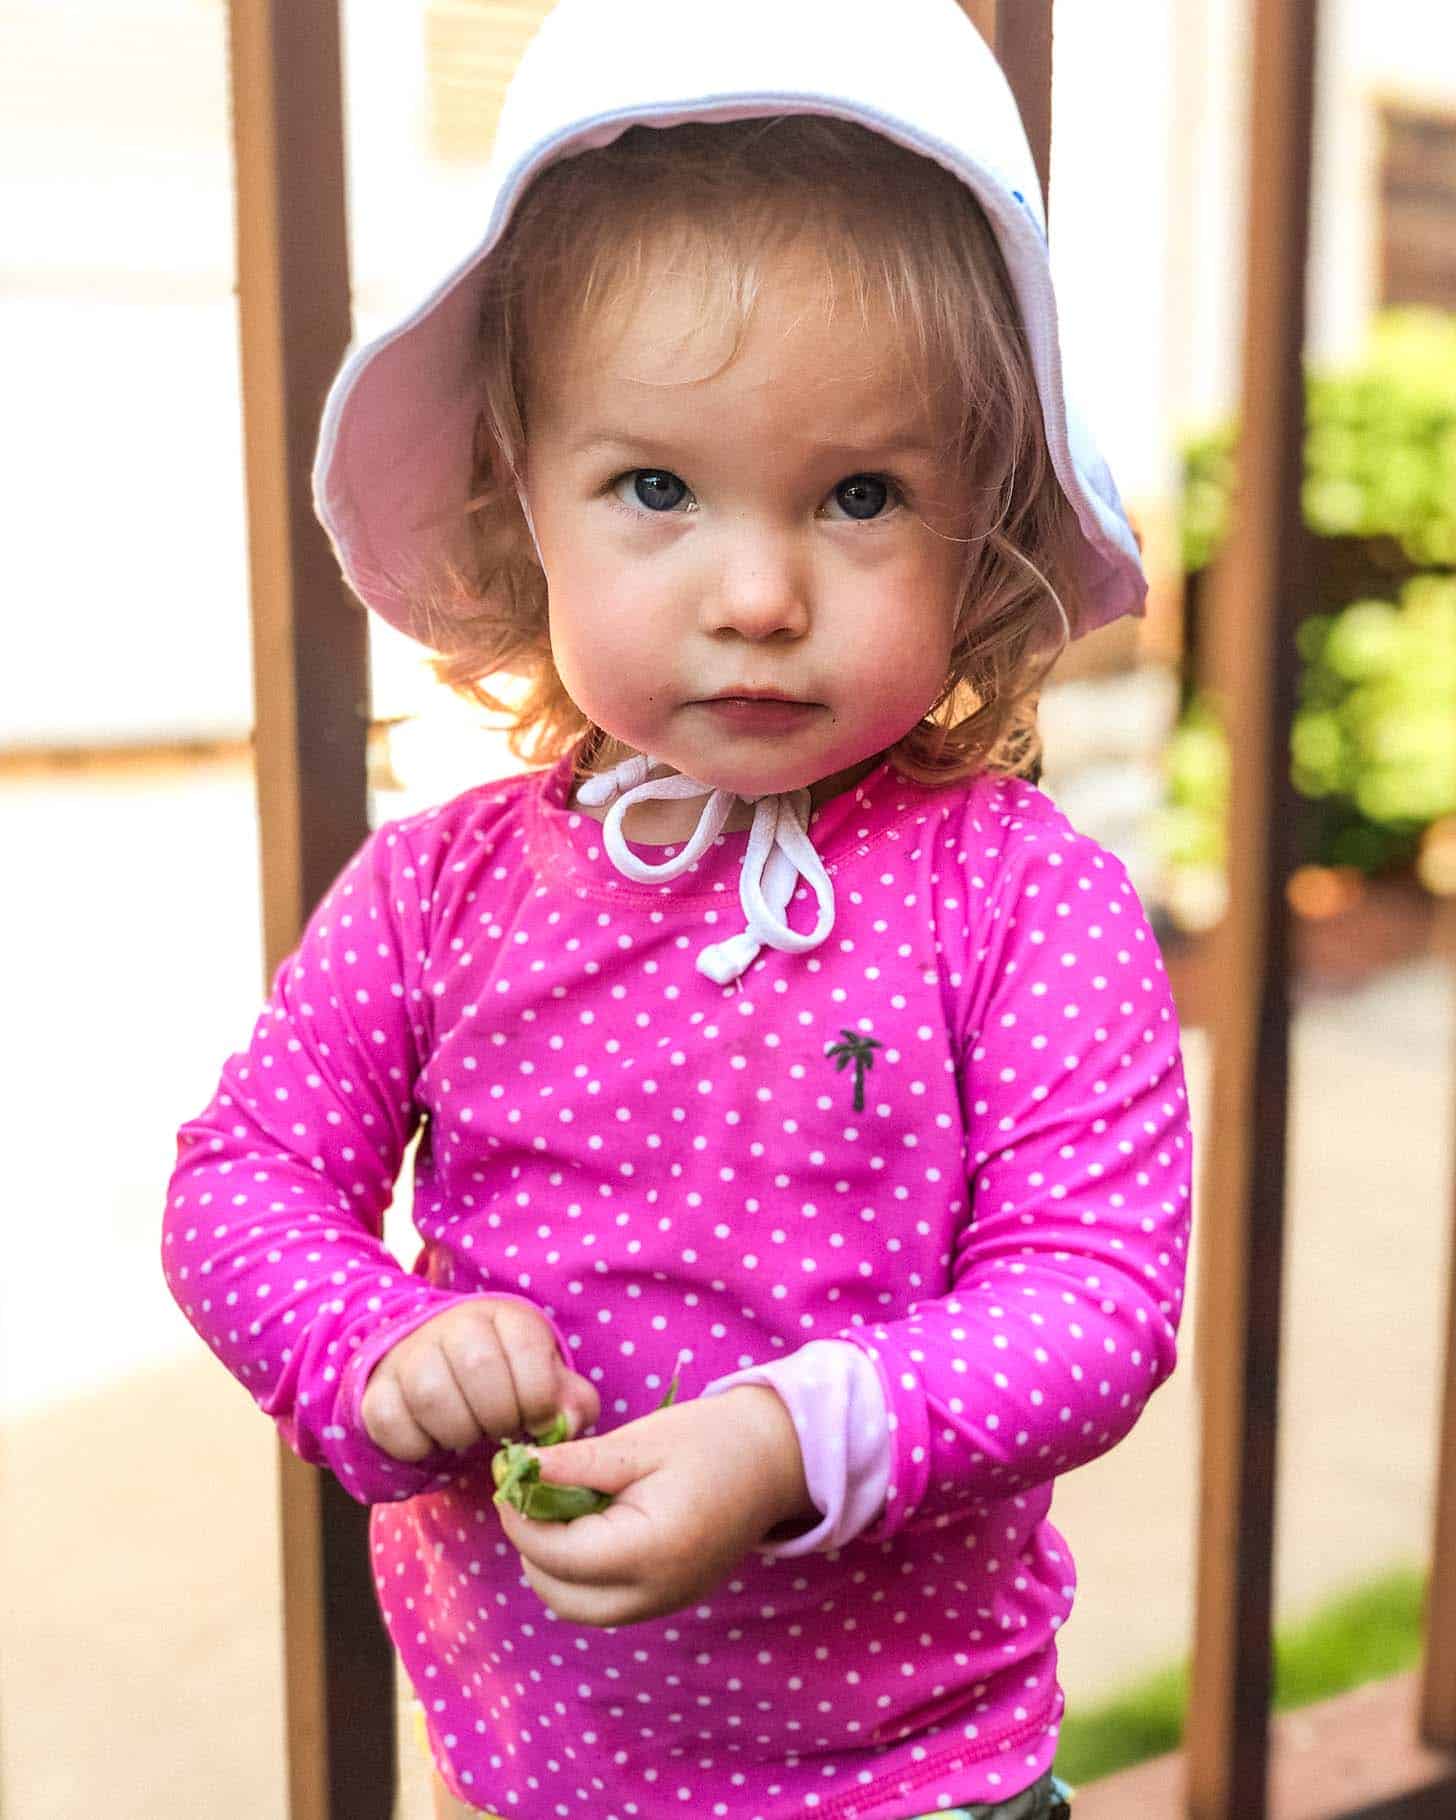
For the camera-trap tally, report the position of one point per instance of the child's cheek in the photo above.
(611, 660)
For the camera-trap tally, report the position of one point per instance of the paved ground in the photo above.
(138, 1578)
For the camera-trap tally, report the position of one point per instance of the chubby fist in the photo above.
(484, 1367)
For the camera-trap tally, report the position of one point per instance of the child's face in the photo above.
(757, 530)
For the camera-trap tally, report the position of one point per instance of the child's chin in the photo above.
(777, 783)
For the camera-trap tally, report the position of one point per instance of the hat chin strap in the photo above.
(779, 853)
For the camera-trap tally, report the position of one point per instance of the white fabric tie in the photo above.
(779, 853)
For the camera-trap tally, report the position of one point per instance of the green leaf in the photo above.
(517, 1475)
(516, 1472)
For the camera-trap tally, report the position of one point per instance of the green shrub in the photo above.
(1374, 733)
(1373, 744)
(1374, 736)
(1379, 451)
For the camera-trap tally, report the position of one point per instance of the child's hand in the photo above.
(484, 1367)
(694, 1487)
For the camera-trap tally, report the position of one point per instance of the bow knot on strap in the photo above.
(779, 853)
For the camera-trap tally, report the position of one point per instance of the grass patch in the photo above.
(1362, 1636)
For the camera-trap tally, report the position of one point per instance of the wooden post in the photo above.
(982, 14)
(1024, 48)
(1261, 587)
(311, 724)
(1020, 33)
(1438, 1670)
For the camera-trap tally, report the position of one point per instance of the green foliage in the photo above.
(1374, 734)
(1146, 1721)
(516, 1471)
(1376, 724)
(1363, 1636)
(1208, 482)
(1379, 452)
(1366, 1635)
(1373, 743)
(1191, 826)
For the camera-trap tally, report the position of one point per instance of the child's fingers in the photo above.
(436, 1398)
(608, 1463)
(388, 1422)
(483, 1368)
(599, 1606)
(596, 1550)
(546, 1386)
(482, 1399)
(583, 1404)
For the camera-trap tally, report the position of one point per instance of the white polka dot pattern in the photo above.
(954, 1138)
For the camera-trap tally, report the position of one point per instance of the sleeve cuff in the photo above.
(833, 1393)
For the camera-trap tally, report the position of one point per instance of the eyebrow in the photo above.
(598, 439)
(899, 442)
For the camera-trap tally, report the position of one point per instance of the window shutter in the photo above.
(1417, 206)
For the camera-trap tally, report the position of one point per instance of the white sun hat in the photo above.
(395, 451)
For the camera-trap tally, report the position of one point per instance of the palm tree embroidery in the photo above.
(859, 1050)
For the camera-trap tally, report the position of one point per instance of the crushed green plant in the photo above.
(518, 1482)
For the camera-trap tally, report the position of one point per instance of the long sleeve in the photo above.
(272, 1235)
(837, 1405)
(1067, 1282)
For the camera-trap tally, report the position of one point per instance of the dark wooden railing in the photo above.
(311, 724)
(1388, 1751)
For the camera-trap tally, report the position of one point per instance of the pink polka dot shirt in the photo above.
(930, 1181)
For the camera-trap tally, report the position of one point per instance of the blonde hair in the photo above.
(893, 232)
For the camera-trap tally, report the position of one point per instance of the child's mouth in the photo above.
(759, 714)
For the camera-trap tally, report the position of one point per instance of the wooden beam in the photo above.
(1024, 47)
(309, 642)
(982, 14)
(1020, 33)
(1261, 589)
(311, 721)
(1438, 1681)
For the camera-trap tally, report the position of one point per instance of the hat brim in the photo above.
(395, 451)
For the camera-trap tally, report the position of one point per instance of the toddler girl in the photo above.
(853, 1093)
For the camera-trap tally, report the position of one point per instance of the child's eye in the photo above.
(860, 497)
(655, 488)
(863, 496)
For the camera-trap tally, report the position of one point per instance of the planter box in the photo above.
(1393, 920)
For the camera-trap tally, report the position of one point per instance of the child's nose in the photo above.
(760, 590)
